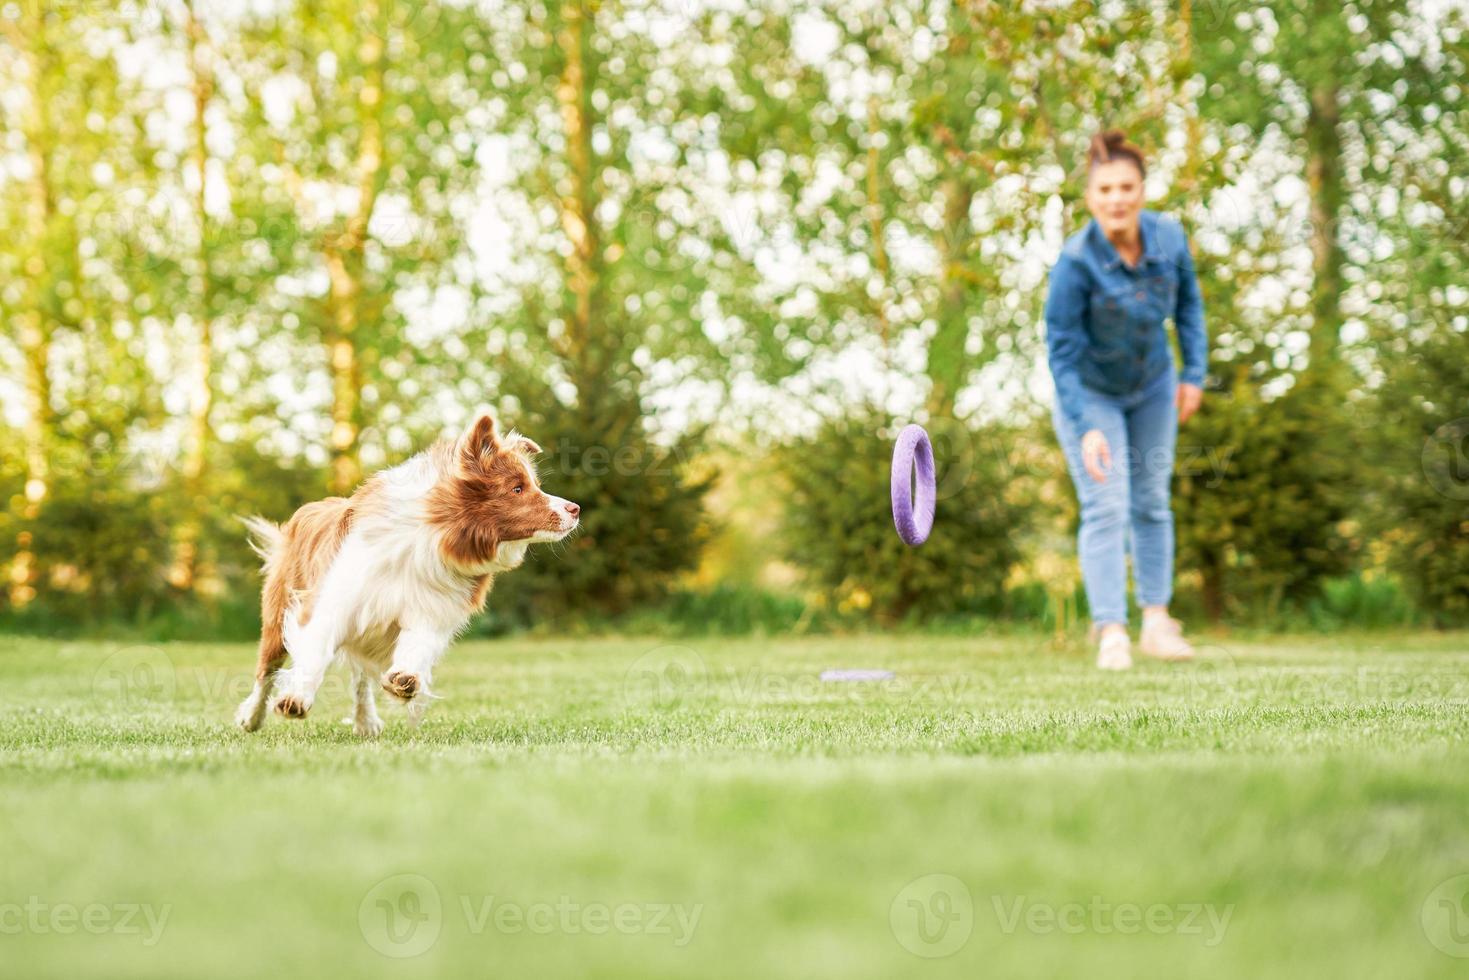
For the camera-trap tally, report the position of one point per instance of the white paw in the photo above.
(368, 727)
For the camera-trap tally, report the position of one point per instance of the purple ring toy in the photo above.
(913, 507)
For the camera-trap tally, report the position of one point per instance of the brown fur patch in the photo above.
(481, 592)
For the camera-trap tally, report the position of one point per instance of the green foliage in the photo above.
(1263, 492)
(1357, 602)
(1421, 333)
(839, 524)
(736, 610)
(572, 211)
(1424, 479)
(103, 545)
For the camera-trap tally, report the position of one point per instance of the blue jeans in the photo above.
(1141, 429)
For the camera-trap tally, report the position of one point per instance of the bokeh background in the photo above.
(711, 255)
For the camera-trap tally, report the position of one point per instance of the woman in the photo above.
(1119, 401)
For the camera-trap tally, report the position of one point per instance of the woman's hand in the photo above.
(1188, 400)
(1096, 455)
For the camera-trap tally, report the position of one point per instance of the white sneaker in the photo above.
(1162, 637)
(1115, 651)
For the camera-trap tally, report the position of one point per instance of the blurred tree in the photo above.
(1420, 312)
(619, 264)
(1294, 68)
(31, 57)
(897, 211)
(67, 306)
(355, 168)
(1283, 90)
(1424, 445)
(260, 249)
(193, 469)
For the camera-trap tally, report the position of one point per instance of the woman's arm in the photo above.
(1188, 317)
(1066, 338)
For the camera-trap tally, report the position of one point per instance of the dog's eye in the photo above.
(519, 488)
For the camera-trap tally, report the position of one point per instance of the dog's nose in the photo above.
(573, 509)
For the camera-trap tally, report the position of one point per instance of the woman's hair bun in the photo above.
(1111, 144)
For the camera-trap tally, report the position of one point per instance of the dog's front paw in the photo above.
(368, 727)
(250, 715)
(292, 706)
(402, 685)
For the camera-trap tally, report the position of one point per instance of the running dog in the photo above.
(388, 577)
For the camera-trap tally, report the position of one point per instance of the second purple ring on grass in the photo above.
(913, 499)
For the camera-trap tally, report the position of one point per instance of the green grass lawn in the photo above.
(1293, 807)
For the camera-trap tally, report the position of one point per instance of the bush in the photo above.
(838, 525)
(1358, 602)
(1424, 444)
(1263, 491)
(100, 542)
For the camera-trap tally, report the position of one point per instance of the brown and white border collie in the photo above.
(387, 577)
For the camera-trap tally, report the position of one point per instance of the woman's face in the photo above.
(1114, 196)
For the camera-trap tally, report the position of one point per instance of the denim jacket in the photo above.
(1104, 319)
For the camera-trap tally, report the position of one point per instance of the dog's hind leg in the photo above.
(251, 713)
(365, 719)
(275, 595)
(313, 647)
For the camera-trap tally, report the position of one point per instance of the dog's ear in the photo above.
(518, 443)
(480, 440)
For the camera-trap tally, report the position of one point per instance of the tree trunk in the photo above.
(346, 372)
(1213, 587)
(947, 359)
(196, 448)
(1189, 174)
(1324, 176)
(578, 206)
(344, 255)
(880, 263)
(35, 327)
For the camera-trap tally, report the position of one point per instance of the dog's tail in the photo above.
(269, 542)
(266, 539)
